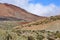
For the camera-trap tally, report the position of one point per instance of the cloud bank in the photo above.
(38, 8)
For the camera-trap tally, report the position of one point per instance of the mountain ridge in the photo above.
(9, 10)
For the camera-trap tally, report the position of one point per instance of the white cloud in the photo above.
(42, 10)
(22, 3)
(37, 9)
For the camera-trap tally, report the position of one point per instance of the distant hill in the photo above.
(10, 12)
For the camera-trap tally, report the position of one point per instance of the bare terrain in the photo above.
(52, 23)
(9, 10)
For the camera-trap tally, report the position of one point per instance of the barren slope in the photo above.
(52, 23)
(9, 10)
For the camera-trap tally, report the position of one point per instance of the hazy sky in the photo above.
(38, 7)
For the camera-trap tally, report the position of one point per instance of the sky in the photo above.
(38, 7)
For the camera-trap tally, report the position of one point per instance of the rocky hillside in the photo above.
(10, 12)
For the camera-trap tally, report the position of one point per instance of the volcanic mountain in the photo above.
(12, 12)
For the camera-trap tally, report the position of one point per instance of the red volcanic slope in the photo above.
(9, 10)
